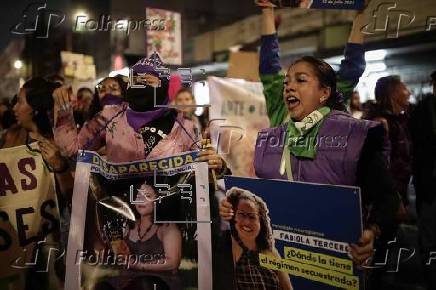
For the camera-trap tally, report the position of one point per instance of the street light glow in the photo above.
(81, 13)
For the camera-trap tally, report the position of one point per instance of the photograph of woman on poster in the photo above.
(252, 235)
(154, 250)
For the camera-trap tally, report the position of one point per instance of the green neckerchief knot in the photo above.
(302, 136)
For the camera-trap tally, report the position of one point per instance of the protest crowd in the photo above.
(389, 152)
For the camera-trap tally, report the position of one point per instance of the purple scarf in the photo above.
(111, 100)
(138, 119)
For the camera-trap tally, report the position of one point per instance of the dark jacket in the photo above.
(423, 133)
(400, 144)
(350, 152)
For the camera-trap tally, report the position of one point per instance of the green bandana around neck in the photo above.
(302, 136)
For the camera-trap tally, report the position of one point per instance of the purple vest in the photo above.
(340, 142)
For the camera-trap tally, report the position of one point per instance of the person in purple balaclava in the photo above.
(140, 128)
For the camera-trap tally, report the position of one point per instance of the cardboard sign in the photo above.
(244, 65)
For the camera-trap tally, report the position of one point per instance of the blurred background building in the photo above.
(210, 31)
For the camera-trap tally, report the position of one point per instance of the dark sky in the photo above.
(12, 12)
(200, 16)
(224, 11)
(9, 15)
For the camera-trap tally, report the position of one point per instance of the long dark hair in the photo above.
(39, 97)
(264, 240)
(135, 195)
(384, 89)
(327, 79)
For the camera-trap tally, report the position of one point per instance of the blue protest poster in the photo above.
(311, 227)
(321, 4)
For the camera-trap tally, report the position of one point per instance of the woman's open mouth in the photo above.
(292, 102)
(246, 229)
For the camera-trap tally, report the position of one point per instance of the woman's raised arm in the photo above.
(269, 68)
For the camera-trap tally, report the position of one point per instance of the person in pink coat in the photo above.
(141, 128)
